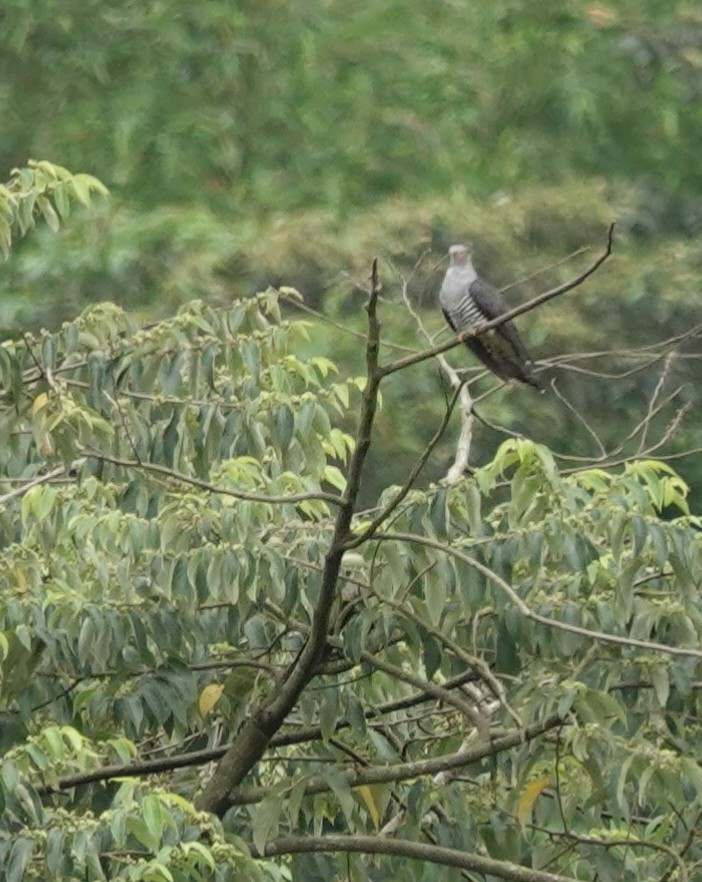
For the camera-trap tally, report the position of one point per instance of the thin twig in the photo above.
(303, 735)
(58, 472)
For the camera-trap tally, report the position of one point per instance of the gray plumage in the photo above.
(467, 301)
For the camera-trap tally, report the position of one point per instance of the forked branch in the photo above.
(255, 735)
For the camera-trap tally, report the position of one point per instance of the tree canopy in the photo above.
(218, 666)
(290, 587)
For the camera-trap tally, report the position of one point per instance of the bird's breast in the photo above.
(469, 313)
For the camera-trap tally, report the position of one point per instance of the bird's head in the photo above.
(459, 254)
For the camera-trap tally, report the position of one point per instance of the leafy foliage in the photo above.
(41, 190)
(170, 492)
(510, 666)
(524, 128)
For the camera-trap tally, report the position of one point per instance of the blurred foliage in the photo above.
(270, 106)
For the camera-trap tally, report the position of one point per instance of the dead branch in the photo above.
(460, 463)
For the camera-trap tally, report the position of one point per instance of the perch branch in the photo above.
(400, 364)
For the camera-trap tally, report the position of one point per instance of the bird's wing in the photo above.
(493, 306)
(449, 320)
(501, 350)
(488, 300)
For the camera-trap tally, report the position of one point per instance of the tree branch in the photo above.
(447, 857)
(507, 589)
(402, 363)
(40, 479)
(387, 774)
(457, 701)
(202, 757)
(172, 475)
(252, 740)
(401, 494)
(465, 437)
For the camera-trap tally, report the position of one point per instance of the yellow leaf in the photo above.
(19, 579)
(528, 798)
(209, 697)
(47, 445)
(367, 796)
(39, 402)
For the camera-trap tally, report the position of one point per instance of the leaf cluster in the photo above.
(41, 189)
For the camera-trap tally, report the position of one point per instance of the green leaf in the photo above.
(661, 683)
(50, 216)
(340, 787)
(55, 844)
(334, 477)
(473, 506)
(435, 596)
(81, 189)
(153, 817)
(19, 859)
(693, 772)
(140, 830)
(295, 800)
(328, 712)
(265, 821)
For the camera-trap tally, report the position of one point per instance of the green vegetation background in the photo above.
(256, 143)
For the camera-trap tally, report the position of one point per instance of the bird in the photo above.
(467, 301)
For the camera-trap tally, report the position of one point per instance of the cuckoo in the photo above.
(468, 302)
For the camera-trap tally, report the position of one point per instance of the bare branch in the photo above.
(385, 513)
(581, 419)
(202, 757)
(460, 463)
(434, 689)
(387, 774)
(474, 661)
(299, 304)
(402, 363)
(544, 269)
(654, 399)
